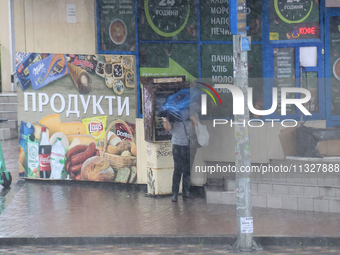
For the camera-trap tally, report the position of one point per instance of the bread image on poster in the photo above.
(81, 78)
(97, 169)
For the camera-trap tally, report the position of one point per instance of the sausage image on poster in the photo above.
(77, 118)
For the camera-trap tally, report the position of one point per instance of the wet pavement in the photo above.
(198, 249)
(10, 149)
(57, 209)
(69, 212)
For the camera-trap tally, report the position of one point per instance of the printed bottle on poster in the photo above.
(57, 159)
(31, 157)
(44, 155)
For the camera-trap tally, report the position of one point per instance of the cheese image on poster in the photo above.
(52, 122)
(73, 128)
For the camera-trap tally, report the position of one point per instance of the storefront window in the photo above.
(294, 19)
(215, 21)
(162, 59)
(217, 68)
(284, 74)
(335, 63)
(310, 82)
(117, 25)
(167, 20)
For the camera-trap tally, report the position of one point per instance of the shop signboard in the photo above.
(291, 20)
(335, 64)
(217, 68)
(117, 25)
(215, 21)
(89, 102)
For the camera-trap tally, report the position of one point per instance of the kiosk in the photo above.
(160, 163)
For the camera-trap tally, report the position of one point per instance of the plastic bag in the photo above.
(307, 139)
(202, 134)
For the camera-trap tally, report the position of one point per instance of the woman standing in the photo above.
(182, 153)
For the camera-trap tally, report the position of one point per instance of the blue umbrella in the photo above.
(181, 105)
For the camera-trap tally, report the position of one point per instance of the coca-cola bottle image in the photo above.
(44, 155)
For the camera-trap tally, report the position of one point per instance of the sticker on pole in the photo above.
(247, 225)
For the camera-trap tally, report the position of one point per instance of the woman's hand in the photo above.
(167, 124)
(194, 120)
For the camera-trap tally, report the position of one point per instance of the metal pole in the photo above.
(244, 240)
(12, 43)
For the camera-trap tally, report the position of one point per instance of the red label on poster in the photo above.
(95, 127)
(45, 162)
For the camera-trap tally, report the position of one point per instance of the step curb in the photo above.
(295, 241)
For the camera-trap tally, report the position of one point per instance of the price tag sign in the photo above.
(247, 224)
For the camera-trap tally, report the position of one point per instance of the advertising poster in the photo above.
(77, 117)
(117, 25)
(335, 63)
(298, 19)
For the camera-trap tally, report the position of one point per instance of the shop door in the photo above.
(299, 65)
(332, 66)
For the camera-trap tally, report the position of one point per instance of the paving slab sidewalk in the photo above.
(61, 210)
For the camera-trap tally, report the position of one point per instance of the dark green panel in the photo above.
(215, 20)
(168, 60)
(217, 68)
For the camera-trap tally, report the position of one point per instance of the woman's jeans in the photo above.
(183, 159)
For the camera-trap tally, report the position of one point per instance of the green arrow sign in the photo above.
(174, 69)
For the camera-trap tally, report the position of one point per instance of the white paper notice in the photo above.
(71, 13)
(246, 224)
(309, 56)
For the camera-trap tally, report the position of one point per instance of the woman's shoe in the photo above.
(174, 197)
(188, 195)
